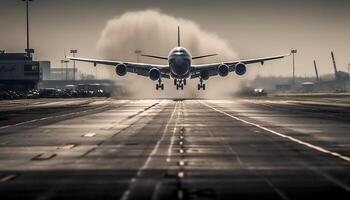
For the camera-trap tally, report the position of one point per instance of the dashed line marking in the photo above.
(89, 135)
(7, 178)
(44, 156)
(66, 146)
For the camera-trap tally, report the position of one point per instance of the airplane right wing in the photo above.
(213, 68)
(141, 69)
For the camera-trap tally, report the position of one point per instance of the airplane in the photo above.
(179, 67)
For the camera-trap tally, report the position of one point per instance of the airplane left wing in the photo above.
(212, 69)
(141, 69)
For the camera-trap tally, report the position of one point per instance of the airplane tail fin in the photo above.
(178, 36)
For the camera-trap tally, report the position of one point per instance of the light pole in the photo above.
(28, 50)
(294, 51)
(65, 62)
(138, 52)
(73, 52)
(62, 62)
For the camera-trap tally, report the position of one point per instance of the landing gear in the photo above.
(179, 86)
(179, 83)
(159, 85)
(201, 85)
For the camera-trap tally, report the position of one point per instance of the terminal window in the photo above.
(31, 68)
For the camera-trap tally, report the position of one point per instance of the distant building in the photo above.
(283, 87)
(45, 68)
(18, 72)
(62, 74)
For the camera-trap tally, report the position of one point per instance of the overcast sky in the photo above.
(252, 27)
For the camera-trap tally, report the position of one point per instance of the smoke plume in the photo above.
(154, 32)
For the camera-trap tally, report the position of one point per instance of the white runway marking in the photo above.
(126, 194)
(51, 117)
(317, 148)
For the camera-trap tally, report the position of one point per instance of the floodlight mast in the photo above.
(74, 51)
(293, 52)
(28, 50)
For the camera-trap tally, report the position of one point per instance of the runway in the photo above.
(175, 149)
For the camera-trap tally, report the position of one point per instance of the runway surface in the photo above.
(167, 149)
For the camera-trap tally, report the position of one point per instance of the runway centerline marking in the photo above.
(317, 148)
(126, 194)
(172, 140)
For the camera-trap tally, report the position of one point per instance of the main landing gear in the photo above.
(179, 83)
(201, 85)
(159, 85)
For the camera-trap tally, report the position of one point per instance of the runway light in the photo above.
(181, 174)
(181, 163)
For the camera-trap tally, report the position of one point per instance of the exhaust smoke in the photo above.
(154, 32)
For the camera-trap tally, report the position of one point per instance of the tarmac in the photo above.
(174, 149)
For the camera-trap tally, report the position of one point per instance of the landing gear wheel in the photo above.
(201, 85)
(175, 81)
(184, 81)
(159, 85)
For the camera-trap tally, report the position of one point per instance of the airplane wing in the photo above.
(141, 69)
(212, 69)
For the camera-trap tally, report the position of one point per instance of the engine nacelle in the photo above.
(240, 69)
(223, 70)
(205, 74)
(154, 74)
(121, 69)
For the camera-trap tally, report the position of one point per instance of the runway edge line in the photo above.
(317, 148)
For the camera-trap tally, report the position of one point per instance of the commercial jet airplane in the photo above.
(179, 67)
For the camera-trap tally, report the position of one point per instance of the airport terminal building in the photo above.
(18, 72)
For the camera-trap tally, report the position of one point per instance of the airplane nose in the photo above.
(179, 60)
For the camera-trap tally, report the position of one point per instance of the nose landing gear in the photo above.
(179, 86)
(201, 85)
(159, 85)
(179, 83)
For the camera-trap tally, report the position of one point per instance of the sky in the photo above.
(252, 28)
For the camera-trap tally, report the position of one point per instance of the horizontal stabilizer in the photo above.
(157, 57)
(204, 56)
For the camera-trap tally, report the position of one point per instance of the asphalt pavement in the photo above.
(175, 149)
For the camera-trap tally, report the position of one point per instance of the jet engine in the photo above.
(154, 74)
(205, 74)
(121, 69)
(240, 69)
(223, 70)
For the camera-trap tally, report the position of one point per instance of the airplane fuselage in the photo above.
(180, 63)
